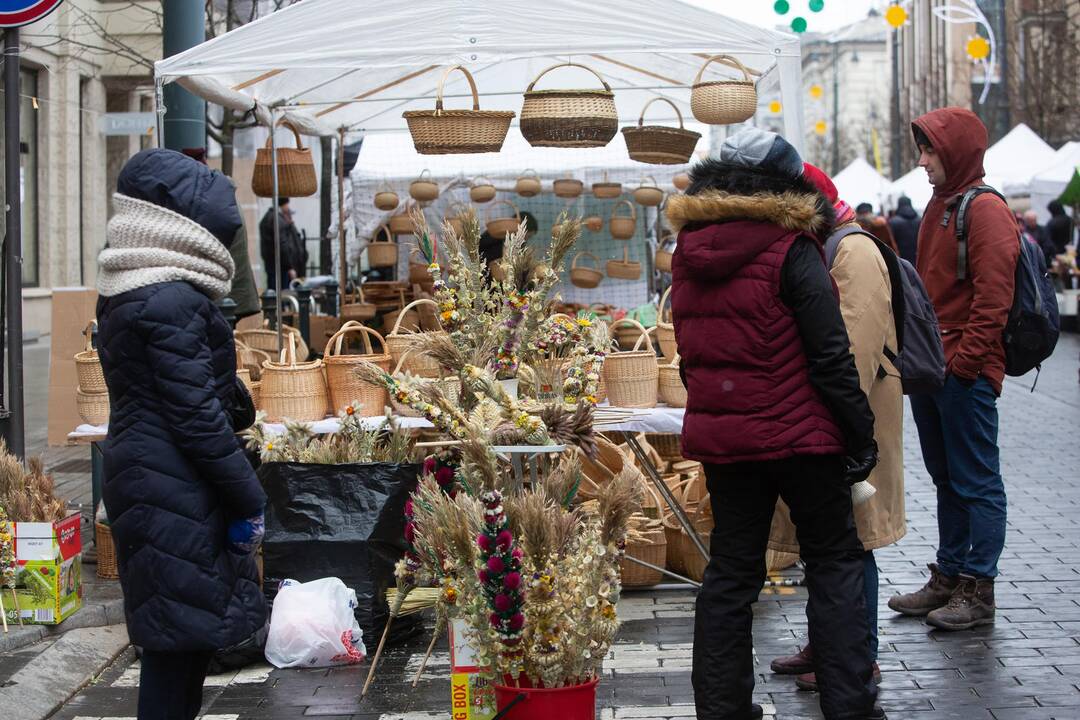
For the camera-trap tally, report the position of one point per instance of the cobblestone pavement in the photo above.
(1026, 666)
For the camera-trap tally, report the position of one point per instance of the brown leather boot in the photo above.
(971, 605)
(797, 664)
(933, 595)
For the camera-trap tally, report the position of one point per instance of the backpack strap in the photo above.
(832, 245)
(963, 208)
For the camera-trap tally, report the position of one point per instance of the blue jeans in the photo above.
(870, 587)
(958, 431)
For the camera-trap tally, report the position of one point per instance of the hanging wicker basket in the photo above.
(88, 365)
(569, 118)
(670, 387)
(401, 223)
(528, 184)
(681, 181)
(665, 331)
(343, 384)
(625, 269)
(455, 216)
(386, 199)
(631, 377)
(648, 195)
(399, 341)
(585, 277)
(107, 568)
(622, 227)
(292, 389)
(659, 144)
(295, 170)
(594, 223)
(355, 308)
(93, 407)
(499, 227)
(723, 102)
(664, 255)
(423, 188)
(606, 190)
(481, 192)
(382, 251)
(568, 188)
(443, 132)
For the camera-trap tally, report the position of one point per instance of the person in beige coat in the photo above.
(862, 279)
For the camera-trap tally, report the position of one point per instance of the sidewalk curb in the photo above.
(110, 612)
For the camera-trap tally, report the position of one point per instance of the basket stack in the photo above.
(442, 132)
(343, 384)
(293, 389)
(631, 377)
(91, 396)
(265, 341)
(657, 144)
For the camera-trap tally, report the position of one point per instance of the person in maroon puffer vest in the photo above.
(774, 410)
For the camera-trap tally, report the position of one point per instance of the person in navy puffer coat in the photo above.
(183, 501)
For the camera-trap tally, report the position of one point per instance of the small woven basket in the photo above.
(355, 308)
(569, 118)
(528, 184)
(568, 187)
(106, 552)
(442, 132)
(606, 190)
(723, 102)
(652, 548)
(648, 195)
(631, 377)
(625, 269)
(665, 331)
(423, 188)
(585, 277)
(399, 343)
(296, 170)
(93, 407)
(499, 227)
(343, 384)
(659, 144)
(386, 199)
(669, 385)
(383, 253)
(250, 359)
(621, 226)
(88, 367)
(481, 192)
(664, 256)
(681, 181)
(401, 223)
(293, 390)
(265, 340)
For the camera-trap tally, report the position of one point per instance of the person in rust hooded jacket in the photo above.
(958, 425)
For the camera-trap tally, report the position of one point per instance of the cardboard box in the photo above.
(49, 579)
(72, 310)
(471, 696)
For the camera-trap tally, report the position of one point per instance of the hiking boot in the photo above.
(877, 714)
(800, 663)
(756, 712)
(808, 681)
(933, 595)
(971, 605)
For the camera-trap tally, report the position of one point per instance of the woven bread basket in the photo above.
(568, 187)
(423, 188)
(625, 269)
(398, 342)
(442, 132)
(585, 277)
(665, 331)
(88, 366)
(723, 102)
(670, 388)
(528, 184)
(295, 170)
(659, 144)
(93, 407)
(569, 118)
(382, 251)
(343, 384)
(386, 199)
(499, 227)
(631, 377)
(622, 227)
(648, 195)
(354, 307)
(481, 192)
(291, 389)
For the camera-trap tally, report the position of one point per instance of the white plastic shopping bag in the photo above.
(312, 625)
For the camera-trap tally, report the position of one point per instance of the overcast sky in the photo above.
(760, 12)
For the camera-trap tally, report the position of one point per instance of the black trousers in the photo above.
(743, 497)
(171, 684)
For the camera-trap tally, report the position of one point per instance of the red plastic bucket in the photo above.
(576, 702)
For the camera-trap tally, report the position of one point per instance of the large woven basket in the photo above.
(293, 390)
(585, 277)
(93, 407)
(568, 187)
(723, 102)
(665, 331)
(631, 377)
(569, 118)
(266, 340)
(659, 144)
(625, 269)
(652, 548)
(622, 227)
(481, 192)
(648, 195)
(296, 170)
(669, 385)
(500, 226)
(88, 367)
(382, 253)
(423, 188)
(343, 384)
(354, 307)
(442, 132)
(107, 568)
(399, 342)
(528, 184)
(386, 199)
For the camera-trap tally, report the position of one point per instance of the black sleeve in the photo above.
(807, 288)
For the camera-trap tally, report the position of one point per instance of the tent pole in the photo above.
(379, 89)
(277, 230)
(343, 274)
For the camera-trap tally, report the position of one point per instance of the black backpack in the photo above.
(920, 357)
(1032, 330)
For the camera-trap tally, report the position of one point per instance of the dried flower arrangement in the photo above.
(9, 569)
(27, 493)
(354, 443)
(567, 356)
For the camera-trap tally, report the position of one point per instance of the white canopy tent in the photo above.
(915, 185)
(859, 183)
(1014, 159)
(1049, 183)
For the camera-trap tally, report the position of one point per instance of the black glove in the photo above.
(241, 410)
(857, 466)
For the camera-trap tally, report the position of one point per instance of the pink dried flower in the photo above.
(429, 465)
(503, 539)
(410, 532)
(496, 565)
(516, 553)
(444, 475)
(512, 581)
(517, 621)
(482, 576)
(502, 603)
(484, 542)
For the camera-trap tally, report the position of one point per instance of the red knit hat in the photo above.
(821, 181)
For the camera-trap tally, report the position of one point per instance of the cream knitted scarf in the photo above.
(149, 244)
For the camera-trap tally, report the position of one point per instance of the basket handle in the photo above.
(641, 118)
(442, 81)
(473, 183)
(396, 330)
(663, 300)
(420, 177)
(401, 360)
(639, 326)
(633, 212)
(728, 60)
(568, 64)
(517, 213)
(296, 134)
(525, 173)
(352, 326)
(288, 353)
(645, 336)
(385, 186)
(389, 237)
(648, 177)
(584, 253)
(675, 361)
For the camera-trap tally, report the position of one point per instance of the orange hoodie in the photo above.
(972, 312)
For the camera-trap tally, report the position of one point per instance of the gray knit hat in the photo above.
(758, 148)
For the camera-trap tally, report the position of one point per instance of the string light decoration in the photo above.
(816, 91)
(821, 127)
(775, 107)
(896, 16)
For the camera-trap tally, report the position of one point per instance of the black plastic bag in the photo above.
(344, 521)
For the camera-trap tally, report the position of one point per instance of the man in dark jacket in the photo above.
(905, 228)
(294, 255)
(183, 502)
(1059, 230)
(774, 410)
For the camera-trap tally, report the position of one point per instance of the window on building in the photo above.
(28, 166)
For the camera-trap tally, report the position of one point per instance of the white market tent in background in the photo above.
(915, 186)
(1049, 183)
(859, 182)
(1011, 162)
(341, 63)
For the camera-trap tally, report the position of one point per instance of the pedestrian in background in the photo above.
(878, 227)
(958, 425)
(294, 255)
(862, 277)
(774, 410)
(1059, 229)
(184, 505)
(905, 228)
(864, 212)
